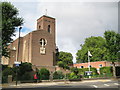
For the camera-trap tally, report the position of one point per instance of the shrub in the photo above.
(6, 71)
(58, 75)
(81, 71)
(75, 70)
(94, 71)
(27, 76)
(44, 74)
(74, 76)
(105, 70)
(4, 79)
(25, 67)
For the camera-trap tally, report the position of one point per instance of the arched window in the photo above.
(49, 28)
(39, 27)
(43, 42)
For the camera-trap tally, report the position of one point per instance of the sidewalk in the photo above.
(23, 85)
(45, 84)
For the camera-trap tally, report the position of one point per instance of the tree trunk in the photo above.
(114, 69)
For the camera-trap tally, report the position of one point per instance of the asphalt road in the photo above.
(92, 84)
(108, 84)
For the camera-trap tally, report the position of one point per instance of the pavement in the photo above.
(62, 83)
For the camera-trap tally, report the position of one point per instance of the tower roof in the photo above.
(46, 16)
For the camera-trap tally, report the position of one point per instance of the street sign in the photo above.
(17, 65)
(16, 62)
(88, 72)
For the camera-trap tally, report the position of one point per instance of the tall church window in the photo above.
(49, 28)
(43, 42)
(39, 27)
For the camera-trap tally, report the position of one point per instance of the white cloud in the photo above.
(77, 21)
(74, 20)
(63, 0)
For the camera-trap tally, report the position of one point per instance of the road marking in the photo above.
(95, 86)
(116, 83)
(106, 85)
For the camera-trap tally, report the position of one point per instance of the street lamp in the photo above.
(18, 43)
(18, 54)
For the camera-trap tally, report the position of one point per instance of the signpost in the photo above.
(89, 73)
(17, 65)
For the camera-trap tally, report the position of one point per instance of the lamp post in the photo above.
(18, 43)
(18, 54)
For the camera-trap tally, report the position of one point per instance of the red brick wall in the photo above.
(37, 58)
(93, 64)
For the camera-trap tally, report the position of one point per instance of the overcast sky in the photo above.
(75, 21)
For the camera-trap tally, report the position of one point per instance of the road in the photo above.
(110, 84)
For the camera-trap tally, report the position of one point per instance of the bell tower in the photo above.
(48, 24)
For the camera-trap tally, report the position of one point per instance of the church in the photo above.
(37, 47)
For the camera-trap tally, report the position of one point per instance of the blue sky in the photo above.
(78, 20)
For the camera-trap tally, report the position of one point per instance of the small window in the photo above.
(49, 28)
(100, 65)
(89, 66)
(81, 66)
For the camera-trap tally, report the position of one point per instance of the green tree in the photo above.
(10, 21)
(65, 59)
(113, 46)
(61, 64)
(96, 45)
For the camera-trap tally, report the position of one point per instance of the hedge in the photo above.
(82, 71)
(105, 70)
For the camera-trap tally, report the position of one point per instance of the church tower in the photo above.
(48, 24)
(43, 42)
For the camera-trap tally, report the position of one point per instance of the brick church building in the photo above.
(37, 47)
